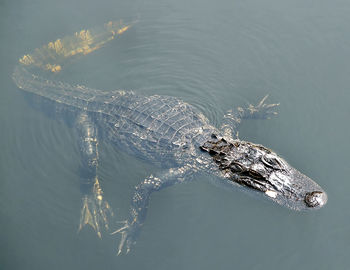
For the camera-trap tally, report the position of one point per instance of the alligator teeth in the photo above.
(271, 193)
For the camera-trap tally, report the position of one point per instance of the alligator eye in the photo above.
(271, 161)
(236, 167)
(255, 174)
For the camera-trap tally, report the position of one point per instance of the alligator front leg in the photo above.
(95, 210)
(140, 201)
(233, 118)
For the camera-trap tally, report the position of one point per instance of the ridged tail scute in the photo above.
(53, 55)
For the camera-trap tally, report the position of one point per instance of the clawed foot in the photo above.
(262, 110)
(127, 232)
(95, 211)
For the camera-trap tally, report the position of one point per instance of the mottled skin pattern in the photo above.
(174, 135)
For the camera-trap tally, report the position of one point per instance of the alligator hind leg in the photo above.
(95, 210)
(140, 201)
(233, 118)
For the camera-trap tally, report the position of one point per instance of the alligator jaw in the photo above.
(259, 169)
(298, 192)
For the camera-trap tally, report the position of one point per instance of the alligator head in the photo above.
(257, 167)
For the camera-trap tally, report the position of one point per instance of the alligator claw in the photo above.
(95, 211)
(127, 237)
(262, 110)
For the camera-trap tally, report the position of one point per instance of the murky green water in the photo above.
(215, 55)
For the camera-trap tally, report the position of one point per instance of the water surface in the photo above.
(215, 55)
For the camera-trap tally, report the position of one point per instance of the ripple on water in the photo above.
(164, 61)
(167, 61)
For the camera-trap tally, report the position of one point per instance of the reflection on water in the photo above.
(215, 56)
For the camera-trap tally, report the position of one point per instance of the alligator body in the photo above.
(160, 129)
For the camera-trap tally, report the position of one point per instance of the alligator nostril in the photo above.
(315, 199)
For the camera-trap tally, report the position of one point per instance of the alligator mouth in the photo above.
(260, 169)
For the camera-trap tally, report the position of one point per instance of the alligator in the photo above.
(163, 130)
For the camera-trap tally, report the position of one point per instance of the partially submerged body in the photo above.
(160, 129)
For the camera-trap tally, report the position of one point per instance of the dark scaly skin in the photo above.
(163, 130)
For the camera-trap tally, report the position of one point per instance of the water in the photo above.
(215, 55)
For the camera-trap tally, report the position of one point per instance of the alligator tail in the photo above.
(52, 57)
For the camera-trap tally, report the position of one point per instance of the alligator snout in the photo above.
(315, 199)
